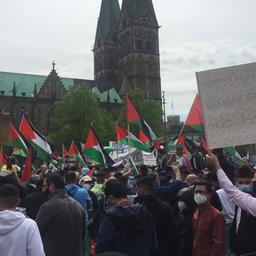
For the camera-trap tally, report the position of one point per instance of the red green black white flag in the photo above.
(94, 150)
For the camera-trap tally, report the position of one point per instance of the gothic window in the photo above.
(138, 44)
(149, 46)
(140, 66)
(144, 18)
(124, 22)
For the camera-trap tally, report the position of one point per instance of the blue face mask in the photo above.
(245, 188)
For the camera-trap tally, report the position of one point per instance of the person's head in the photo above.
(37, 181)
(195, 151)
(84, 171)
(9, 197)
(100, 177)
(244, 178)
(145, 186)
(202, 192)
(163, 176)
(86, 182)
(144, 170)
(186, 200)
(115, 191)
(71, 177)
(53, 183)
(191, 179)
(107, 173)
(161, 151)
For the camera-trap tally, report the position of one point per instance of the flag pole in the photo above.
(117, 154)
(128, 128)
(1, 155)
(181, 131)
(129, 140)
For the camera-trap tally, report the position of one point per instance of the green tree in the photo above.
(73, 116)
(150, 110)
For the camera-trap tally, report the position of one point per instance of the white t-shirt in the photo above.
(228, 207)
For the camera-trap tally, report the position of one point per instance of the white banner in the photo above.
(228, 98)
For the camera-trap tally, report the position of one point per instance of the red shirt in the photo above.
(208, 232)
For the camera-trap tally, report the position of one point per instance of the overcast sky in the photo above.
(195, 35)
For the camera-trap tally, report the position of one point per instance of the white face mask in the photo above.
(87, 186)
(182, 206)
(200, 199)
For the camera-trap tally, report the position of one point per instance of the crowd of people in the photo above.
(202, 206)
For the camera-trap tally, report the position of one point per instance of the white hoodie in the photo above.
(19, 235)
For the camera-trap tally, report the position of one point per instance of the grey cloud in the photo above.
(180, 61)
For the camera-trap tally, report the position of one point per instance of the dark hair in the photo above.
(106, 170)
(116, 189)
(245, 171)
(118, 175)
(57, 181)
(70, 177)
(143, 170)
(9, 196)
(205, 183)
(147, 182)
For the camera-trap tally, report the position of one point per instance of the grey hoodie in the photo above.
(19, 235)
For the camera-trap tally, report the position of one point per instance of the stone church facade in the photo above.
(126, 49)
(126, 56)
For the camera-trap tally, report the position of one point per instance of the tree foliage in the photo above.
(79, 108)
(73, 116)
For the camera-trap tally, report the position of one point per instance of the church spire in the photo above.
(139, 47)
(109, 16)
(106, 49)
(140, 12)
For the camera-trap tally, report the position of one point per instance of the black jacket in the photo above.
(61, 223)
(166, 225)
(244, 240)
(33, 202)
(127, 229)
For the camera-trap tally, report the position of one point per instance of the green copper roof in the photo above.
(25, 85)
(111, 95)
(109, 15)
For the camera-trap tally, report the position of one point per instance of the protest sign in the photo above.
(228, 97)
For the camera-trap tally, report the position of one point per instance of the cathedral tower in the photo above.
(106, 42)
(139, 62)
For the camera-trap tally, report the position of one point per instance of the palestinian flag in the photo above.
(203, 144)
(36, 139)
(135, 171)
(180, 142)
(64, 153)
(127, 138)
(235, 155)
(19, 152)
(74, 152)
(134, 117)
(94, 150)
(195, 118)
(3, 158)
(15, 140)
(143, 138)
